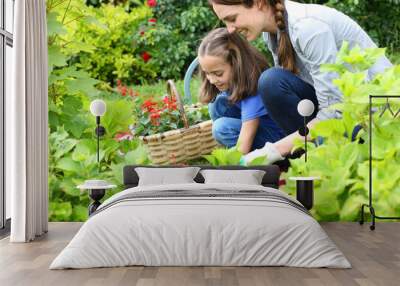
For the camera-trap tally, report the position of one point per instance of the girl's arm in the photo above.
(285, 145)
(247, 134)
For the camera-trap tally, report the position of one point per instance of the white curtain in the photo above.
(27, 121)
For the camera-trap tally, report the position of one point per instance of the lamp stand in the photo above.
(303, 131)
(100, 131)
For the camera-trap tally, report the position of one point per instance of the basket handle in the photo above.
(172, 91)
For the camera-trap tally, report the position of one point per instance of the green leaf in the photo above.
(69, 187)
(85, 150)
(64, 147)
(221, 156)
(258, 161)
(86, 86)
(211, 159)
(233, 156)
(349, 154)
(55, 58)
(60, 211)
(326, 203)
(54, 27)
(67, 164)
(351, 208)
(79, 213)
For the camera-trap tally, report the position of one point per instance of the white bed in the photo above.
(224, 225)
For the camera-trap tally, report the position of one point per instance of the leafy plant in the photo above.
(170, 41)
(230, 156)
(154, 117)
(224, 156)
(342, 163)
(72, 145)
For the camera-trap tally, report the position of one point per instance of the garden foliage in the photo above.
(342, 164)
(72, 144)
(93, 46)
(173, 34)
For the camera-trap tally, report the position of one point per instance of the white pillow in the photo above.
(248, 177)
(166, 176)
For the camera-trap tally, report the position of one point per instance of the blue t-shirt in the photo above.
(251, 107)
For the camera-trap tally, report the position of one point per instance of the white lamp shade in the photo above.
(305, 107)
(98, 107)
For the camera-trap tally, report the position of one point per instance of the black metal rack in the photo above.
(386, 107)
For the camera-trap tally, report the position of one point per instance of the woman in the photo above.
(230, 68)
(301, 37)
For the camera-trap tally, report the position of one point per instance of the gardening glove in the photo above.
(269, 151)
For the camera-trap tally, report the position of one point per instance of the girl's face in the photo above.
(250, 22)
(217, 70)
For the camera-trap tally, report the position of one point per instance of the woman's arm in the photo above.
(247, 134)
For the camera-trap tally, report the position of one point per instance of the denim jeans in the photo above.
(281, 91)
(227, 124)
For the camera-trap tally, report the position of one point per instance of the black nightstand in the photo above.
(305, 190)
(96, 192)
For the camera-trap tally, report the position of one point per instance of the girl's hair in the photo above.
(247, 64)
(286, 53)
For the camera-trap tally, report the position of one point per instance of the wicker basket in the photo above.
(178, 145)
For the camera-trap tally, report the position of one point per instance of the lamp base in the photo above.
(305, 193)
(96, 195)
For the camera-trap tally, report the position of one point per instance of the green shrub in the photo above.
(72, 144)
(343, 164)
(172, 40)
(127, 4)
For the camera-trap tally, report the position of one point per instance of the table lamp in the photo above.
(98, 108)
(305, 109)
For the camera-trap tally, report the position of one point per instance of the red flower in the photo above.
(123, 136)
(152, 3)
(145, 56)
(148, 105)
(141, 33)
(170, 103)
(123, 90)
(155, 122)
(155, 115)
(132, 93)
(166, 99)
(152, 20)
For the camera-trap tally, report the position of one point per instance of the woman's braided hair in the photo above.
(286, 53)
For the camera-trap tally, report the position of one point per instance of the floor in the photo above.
(375, 257)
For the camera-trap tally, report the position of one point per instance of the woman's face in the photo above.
(250, 22)
(217, 70)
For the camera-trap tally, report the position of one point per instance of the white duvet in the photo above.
(188, 231)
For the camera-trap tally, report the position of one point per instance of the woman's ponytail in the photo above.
(286, 53)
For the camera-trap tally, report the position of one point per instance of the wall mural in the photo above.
(134, 57)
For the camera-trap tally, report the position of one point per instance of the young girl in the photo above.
(300, 37)
(230, 69)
